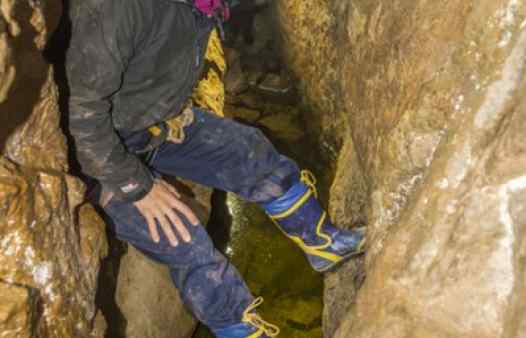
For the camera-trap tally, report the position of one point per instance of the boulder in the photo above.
(51, 242)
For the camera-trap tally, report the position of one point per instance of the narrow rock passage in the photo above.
(420, 111)
(272, 265)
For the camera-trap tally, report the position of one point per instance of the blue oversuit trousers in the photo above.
(222, 154)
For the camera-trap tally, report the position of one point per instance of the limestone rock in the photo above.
(310, 51)
(430, 93)
(17, 311)
(275, 83)
(51, 243)
(235, 79)
(242, 113)
(148, 300)
(283, 124)
(255, 77)
(7, 69)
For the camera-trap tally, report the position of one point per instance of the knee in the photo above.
(276, 181)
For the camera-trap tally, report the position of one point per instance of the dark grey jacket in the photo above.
(130, 65)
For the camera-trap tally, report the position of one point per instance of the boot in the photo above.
(251, 325)
(299, 215)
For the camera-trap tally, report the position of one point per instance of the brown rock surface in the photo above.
(17, 311)
(235, 79)
(427, 99)
(50, 243)
(149, 301)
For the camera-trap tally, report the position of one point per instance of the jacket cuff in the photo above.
(135, 188)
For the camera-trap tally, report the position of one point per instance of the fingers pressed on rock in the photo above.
(168, 231)
(152, 227)
(178, 225)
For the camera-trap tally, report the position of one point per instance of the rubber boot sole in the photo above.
(359, 251)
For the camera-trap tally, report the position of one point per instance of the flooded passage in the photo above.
(271, 264)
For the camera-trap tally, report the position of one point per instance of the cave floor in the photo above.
(272, 265)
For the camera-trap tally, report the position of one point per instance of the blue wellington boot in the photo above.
(299, 215)
(251, 325)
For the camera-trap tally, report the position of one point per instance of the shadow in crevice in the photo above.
(55, 54)
(220, 221)
(31, 74)
(105, 299)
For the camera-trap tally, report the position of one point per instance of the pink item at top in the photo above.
(210, 7)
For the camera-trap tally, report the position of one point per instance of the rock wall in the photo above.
(50, 242)
(425, 100)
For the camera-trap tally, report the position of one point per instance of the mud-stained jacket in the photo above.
(130, 65)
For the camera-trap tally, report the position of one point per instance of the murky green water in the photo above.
(271, 264)
(276, 270)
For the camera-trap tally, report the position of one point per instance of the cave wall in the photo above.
(425, 102)
(51, 242)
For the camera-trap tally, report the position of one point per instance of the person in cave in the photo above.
(131, 68)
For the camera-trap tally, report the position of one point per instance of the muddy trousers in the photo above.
(222, 154)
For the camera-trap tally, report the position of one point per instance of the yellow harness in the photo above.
(209, 93)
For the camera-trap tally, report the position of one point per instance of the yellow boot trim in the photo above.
(256, 334)
(294, 207)
(315, 250)
(308, 178)
(252, 318)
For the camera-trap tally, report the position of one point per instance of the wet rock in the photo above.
(235, 79)
(7, 69)
(17, 311)
(255, 77)
(250, 100)
(313, 54)
(263, 32)
(283, 125)
(243, 114)
(275, 83)
(51, 242)
(303, 316)
(149, 301)
(430, 95)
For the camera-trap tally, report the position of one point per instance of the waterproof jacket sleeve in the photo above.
(95, 66)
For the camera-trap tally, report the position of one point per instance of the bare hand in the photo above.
(160, 204)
